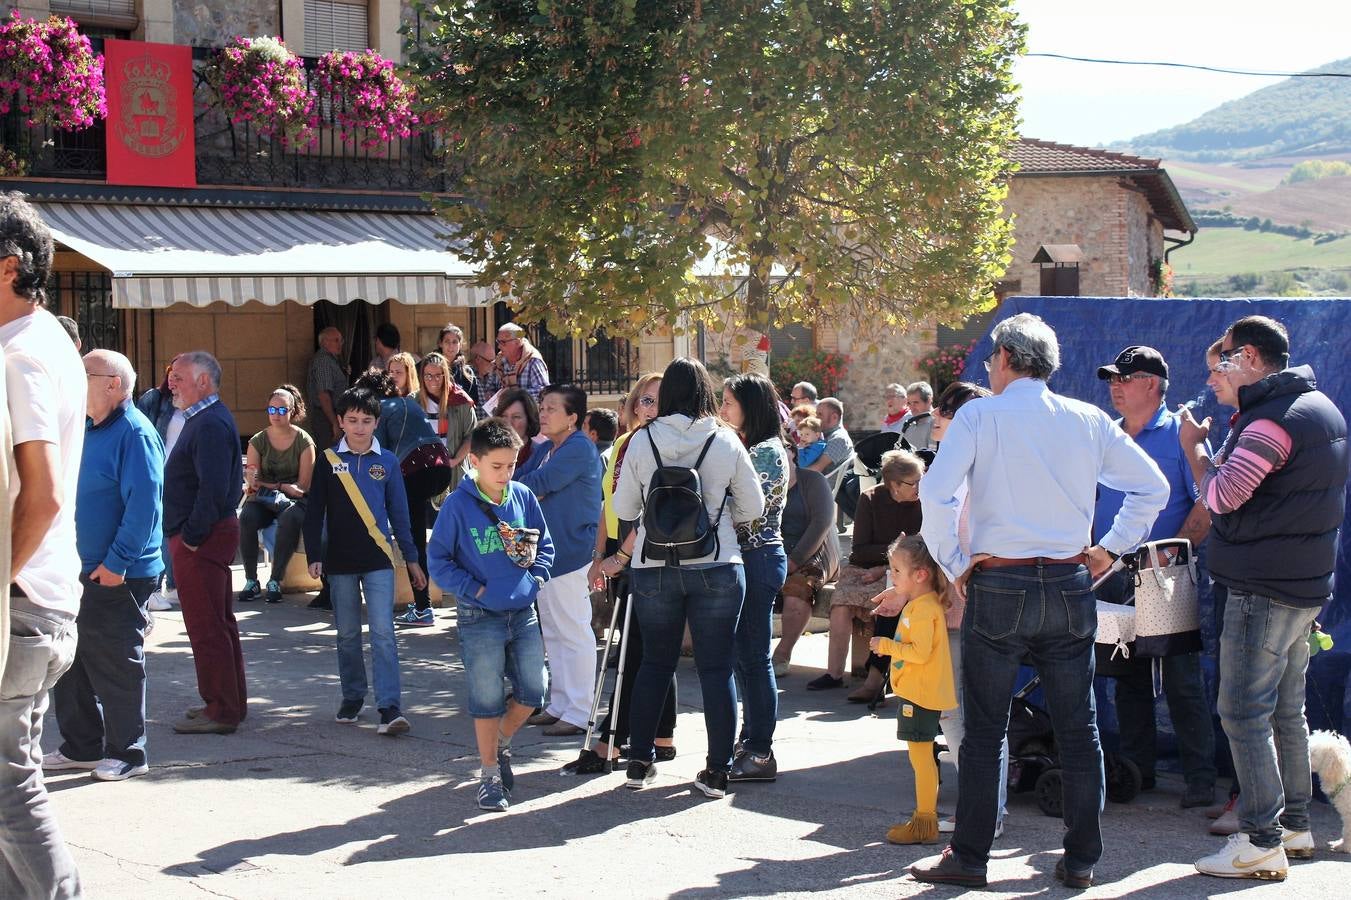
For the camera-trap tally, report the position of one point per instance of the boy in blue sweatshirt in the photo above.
(482, 551)
(358, 558)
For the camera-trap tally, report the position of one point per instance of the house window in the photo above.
(100, 18)
(336, 25)
(87, 297)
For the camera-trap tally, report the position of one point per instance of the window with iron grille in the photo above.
(336, 25)
(119, 15)
(87, 297)
(609, 366)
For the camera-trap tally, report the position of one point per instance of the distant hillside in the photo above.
(1297, 117)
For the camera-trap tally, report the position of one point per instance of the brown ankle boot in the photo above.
(921, 829)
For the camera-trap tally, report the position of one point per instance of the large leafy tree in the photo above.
(845, 157)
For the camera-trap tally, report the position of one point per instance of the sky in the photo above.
(1093, 104)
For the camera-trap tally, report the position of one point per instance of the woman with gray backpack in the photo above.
(687, 479)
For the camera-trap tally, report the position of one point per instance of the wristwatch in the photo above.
(597, 556)
(539, 580)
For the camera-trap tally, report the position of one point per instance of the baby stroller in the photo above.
(1034, 761)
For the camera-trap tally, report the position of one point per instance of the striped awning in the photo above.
(162, 255)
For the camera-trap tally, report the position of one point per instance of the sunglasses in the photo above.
(1126, 379)
(647, 401)
(278, 410)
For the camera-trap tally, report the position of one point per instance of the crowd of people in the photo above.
(699, 510)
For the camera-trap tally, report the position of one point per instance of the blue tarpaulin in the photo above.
(1092, 330)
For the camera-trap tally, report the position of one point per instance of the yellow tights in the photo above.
(923, 825)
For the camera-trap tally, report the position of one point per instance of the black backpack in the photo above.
(674, 515)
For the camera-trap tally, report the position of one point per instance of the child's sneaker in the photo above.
(412, 617)
(251, 591)
(392, 721)
(347, 713)
(640, 775)
(504, 763)
(712, 784)
(492, 794)
(273, 592)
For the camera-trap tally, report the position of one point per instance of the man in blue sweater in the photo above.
(203, 481)
(100, 701)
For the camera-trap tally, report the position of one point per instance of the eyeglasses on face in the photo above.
(647, 401)
(98, 375)
(507, 340)
(1126, 379)
(278, 410)
(989, 359)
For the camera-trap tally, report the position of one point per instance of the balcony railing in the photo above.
(230, 153)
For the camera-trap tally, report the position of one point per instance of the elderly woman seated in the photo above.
(885, 512)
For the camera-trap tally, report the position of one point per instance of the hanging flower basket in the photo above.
(51, 71)
(370, 101)
(263, 83)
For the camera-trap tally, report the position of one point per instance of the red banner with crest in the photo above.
(150, 134)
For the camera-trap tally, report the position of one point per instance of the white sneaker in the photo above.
(117, 770)
(158, 602)
(56, 761)
(1240, 859)
(1298, 844)
(949, 825)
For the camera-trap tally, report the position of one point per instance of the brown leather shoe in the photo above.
(946, 869)
(1077, 880)
(203, 725)
(541, 718)
(562, 729)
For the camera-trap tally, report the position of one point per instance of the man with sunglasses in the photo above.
(1277, 497)
(518, 364)
(1138, 380)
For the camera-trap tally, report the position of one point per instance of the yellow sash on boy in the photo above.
(362, 507)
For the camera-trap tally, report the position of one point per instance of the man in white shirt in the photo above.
(1033, 461)
(45, 382)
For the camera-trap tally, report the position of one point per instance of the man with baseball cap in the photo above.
(1139, 382)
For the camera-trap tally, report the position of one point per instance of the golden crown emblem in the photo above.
(146, 68)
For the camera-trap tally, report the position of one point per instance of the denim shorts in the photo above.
(497, 645)
(916, 723)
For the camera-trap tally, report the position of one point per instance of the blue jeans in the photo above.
(664, 598)
(1264, 654)
(34, 859)
(346, 591)
(1187, 704)
(766, 568)
(497, 645)
(1048, 614)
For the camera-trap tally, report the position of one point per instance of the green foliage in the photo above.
(847, 154)
(822, 368)
(1314, 169)
(1294, 116)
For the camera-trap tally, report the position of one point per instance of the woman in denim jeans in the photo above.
(751, 406)
(706, 591)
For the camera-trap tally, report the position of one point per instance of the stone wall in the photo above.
(896, 359)
(1106, 220)
(212, 23)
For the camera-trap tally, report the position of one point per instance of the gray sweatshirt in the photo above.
(727, 467)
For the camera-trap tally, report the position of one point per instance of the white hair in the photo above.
(923, 388)
(1031, 344)
(118, 365)
(203, 363)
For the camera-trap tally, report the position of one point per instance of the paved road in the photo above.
(294, 805)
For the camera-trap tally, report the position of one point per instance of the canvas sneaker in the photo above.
(1298, 844)
(1240, 859)
(640, 775)
(347, 713)
(711, 784)
(412, 617)
(159, 601)
(251, 591)
(273, 592)
(117, 770)
(56, 761)
(493, 794)
(392, 721)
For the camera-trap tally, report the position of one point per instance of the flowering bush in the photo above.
(945, 365)
(51, 70)
(824, 369)
(368, 96)
(1161, 278)
(263, 83)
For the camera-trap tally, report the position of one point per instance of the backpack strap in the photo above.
(708, 443)
(359, 502)
(655, 451)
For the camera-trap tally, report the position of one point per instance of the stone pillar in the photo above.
(384, 29)
(157, 21)
(293, 25)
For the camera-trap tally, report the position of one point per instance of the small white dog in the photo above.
(1330, 758)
